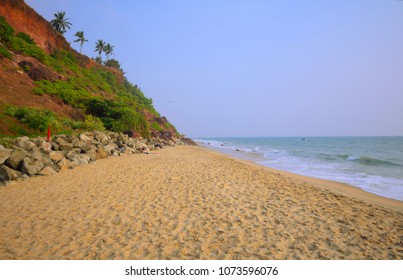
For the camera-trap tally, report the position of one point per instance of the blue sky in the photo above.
(255, 68)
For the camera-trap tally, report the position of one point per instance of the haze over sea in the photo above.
(374, 164)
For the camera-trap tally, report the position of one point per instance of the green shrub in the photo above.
(35, 118)
(65, 90)
(25, 37)
(127, 119)
(6, 31)
(5, 53)
(93, 123)
(19, 45)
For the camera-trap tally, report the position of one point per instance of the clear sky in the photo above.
(255, 67)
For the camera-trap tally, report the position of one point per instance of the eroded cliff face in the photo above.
(25, 19)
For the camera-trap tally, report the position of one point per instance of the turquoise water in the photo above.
(374, 164)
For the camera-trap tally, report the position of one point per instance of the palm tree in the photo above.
(60, 23)
(81, 39)
(100, 46)
(108, 49)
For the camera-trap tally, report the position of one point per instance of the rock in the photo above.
(72, 139)
(63, 164)
(45, 146)
(31, 166)
(79, 159)
(85, 138)
(120, 144)
(92, 154)
(56, 156)
(83, 158)
(35, 153)
(84, 147)
(4, 155)
(71, 154)
(2, 148)
(128, 151)
(101, 137)
(101, 154)
(109, 148)
(24, 143)
(16, 157)
(6, 173)
(38, 71)
(55, 146)
(61, 139)
(65, 146)
(47, 171)
(46, 161)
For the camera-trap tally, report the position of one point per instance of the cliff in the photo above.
(25, 19)
(39, 69)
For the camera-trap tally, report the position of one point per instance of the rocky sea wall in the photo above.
(38, 157)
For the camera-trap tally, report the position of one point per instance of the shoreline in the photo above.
(339, 187)
(189, 202)
(345, 167)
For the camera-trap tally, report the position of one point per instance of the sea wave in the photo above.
(373, 161)
(366, 160)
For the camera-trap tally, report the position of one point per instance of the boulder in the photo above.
(4, 155)
(92, 154)
(7, 173)
(65, 146)
(47, 171)
(101, 154)
(45, 146)
(63, 164)
(101, 137)
(46, 161)
(85, 138)
(84, 147)
(56, 156)
(79, 159)
(55, 146)
(24, 143)
(109, 148)
(61, 139)
(31, 166)
(71, 154)
(35, 153)
(83, 158)
(38, 71)
(16, 157)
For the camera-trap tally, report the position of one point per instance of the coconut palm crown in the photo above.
(60, 23)
(80, 38)
(108, 49)
(100, 46)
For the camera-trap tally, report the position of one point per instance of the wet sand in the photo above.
(192, 203)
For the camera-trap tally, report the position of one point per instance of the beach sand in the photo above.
(192, 203)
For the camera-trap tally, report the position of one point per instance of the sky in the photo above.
(255, 67)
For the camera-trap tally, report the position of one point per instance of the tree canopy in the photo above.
(60, 23)
(80, 38)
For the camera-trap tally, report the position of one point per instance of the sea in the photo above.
(374, 164)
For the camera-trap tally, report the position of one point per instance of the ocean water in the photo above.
(374, 164)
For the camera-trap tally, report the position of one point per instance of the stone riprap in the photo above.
(37, 157)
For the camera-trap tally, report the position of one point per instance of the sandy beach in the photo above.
(192, 203)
